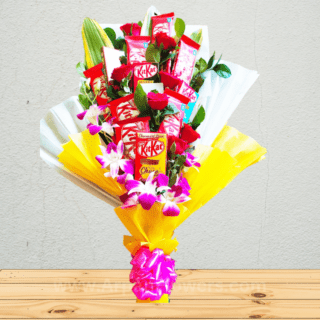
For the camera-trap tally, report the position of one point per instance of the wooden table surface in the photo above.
(198, 294)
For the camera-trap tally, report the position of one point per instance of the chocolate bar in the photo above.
(144, 72)
(136, 48)
(95, 74)
(127, 133)
(124, 108)
(151, 154)
(162, 23)
(185, 59)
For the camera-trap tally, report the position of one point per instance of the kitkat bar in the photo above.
(144, 72)
(187, 91)
(151, 154)
(185, 59)
(162, 23)
(95, 74)
(136, 48)
(124, 108)
(127, 133)
(172, 123)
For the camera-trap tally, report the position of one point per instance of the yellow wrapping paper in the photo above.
(221, 162)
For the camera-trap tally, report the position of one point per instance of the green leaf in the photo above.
(197, 36)
(219, 60)
(140, 99)
(81, 68)
(140, 23)
(202, 65)
(170, 109)
(173, 178)
(211, 60)
(153, 53)
(199, 117)
(119, 43)
(154, 91)
(123, 93)
(112, 93)
(85, 102)
(173, 148)
(125, 82)
(222, 70)
(123, 60)
(111, 34)
(179, 27)
(181, 160)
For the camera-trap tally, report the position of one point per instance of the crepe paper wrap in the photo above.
(95, 74)
(153, 274)
(124, 108)
(79, 155)
(162, 23)
(185, 59)
(136, 48)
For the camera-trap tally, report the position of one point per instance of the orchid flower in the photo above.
(106, 127)
(191, 160)
(92, 114)
(112, 158)
(178, 193)
(122, 179)
(129, 200)
(147, 190)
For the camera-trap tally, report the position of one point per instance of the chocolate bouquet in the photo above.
(148, 134)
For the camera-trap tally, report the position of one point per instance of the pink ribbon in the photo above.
(153, 274)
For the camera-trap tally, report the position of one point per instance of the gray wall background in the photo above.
(268, 217)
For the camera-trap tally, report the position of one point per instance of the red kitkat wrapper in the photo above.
(127, 133)
(95, 74)
(162, 23)
(124, 108)
(144, 72)
(172, 123)
(185, 59)
(136, 48)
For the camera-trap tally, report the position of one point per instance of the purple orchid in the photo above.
(178, 193)
(147, 190)
(112, 158)
(106, 127)
(129, 200)
(122, 179)
(92, 114)
(191, 160)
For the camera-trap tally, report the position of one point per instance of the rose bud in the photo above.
(157, 101)
(168, 80)
(168, 42)
(131, 29)
(121, 72)
(188, 134)
(181, 145)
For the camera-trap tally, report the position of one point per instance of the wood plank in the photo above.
(177, 309)
(181, 291)
(185, 276)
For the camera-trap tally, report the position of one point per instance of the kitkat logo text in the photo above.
(145, 71)
(150, 148)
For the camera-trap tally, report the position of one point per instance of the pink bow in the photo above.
(153, 272)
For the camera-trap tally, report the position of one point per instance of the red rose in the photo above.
(168, 80)
(157, 101)
(188, 134)
(120, 73)
(131, 29)
(181, 145)
(168, 42)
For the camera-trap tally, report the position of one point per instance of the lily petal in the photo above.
(93, 129)
(81, 115)
(114, 169)
(127, 166)
(131, 184)
(147, 200)
(171, 209)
